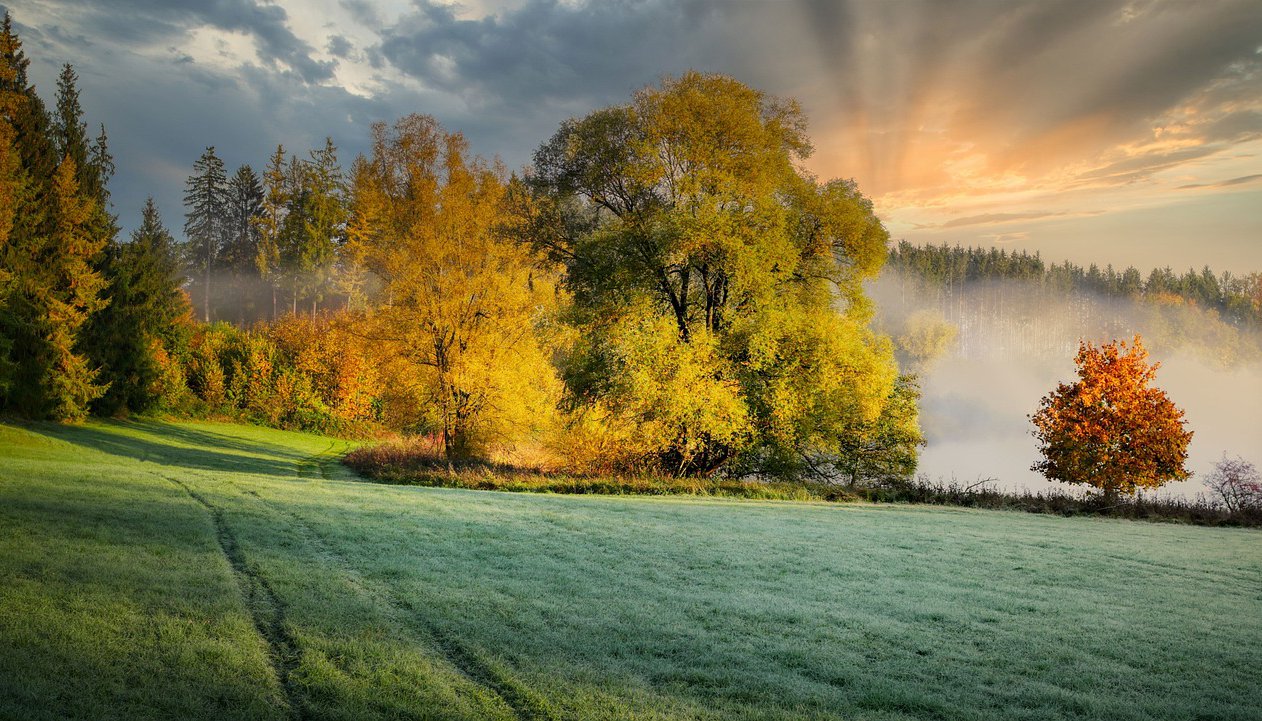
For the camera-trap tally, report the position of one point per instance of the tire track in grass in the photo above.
(470, 662)
(265, 607)
(317, 464)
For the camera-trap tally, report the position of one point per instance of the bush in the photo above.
(1237, 484)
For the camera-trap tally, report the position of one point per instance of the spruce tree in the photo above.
(271, 222)
(53, 286)
(142, 318)
(240, 251)
(56, 296)
(13, 194)
(324, 221)
(293, 232)
(205, 229)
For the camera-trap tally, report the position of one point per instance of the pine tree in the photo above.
(207, 200)
(142, 318)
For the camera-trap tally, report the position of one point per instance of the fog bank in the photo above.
(1016, 343)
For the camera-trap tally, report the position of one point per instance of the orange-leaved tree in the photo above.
(1111, 429)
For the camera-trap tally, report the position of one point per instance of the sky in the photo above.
(1124, 132)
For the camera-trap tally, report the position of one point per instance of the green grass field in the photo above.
(214, 571)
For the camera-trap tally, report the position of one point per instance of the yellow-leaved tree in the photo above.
(457, 304)
(717, 288)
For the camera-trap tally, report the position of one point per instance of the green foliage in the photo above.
(145, 322)
(206, 231)
(717, 290)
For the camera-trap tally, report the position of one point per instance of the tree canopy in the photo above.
(1111, 429)
(717, 287)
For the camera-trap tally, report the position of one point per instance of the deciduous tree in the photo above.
(717, 289)
(460, 304)
(1111, 429)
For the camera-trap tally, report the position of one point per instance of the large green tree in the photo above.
(718, 288)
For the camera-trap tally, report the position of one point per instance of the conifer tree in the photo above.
(293, 232)
(12, 189)
(270, 222)
(206, 198)
(56, 295)
(142, 318)
(324, 221)
(240, 251)
(52, 245)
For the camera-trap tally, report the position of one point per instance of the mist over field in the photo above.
(1015, 344)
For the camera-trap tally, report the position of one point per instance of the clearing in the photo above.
(217, 571)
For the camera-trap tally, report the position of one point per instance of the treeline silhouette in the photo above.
(1236, 298)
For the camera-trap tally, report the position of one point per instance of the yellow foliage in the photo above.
(460, 305)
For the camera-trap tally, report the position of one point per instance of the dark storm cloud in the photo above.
(160, 21)
(543, 50)
(340, 46)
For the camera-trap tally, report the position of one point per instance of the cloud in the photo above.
(138, 23)
(1242, 180)
(1004, 238)
(998, 218)
(951, 115)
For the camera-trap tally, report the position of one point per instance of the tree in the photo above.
(460, 304)
(54, 240)
(13, 187)
(241, 248)
(143, 319)
(270, 222)
(57, 293)
(1110, 429)
(207, 199)
(717, 289)
(1236, 483)
(324, 221)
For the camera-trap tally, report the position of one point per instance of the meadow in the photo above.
(218, 571)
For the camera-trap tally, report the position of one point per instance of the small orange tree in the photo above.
(1110, 429)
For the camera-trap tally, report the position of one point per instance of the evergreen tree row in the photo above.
(82, 315)
(1238, 299)
(256, 247)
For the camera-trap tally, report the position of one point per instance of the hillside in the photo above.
(219, 571)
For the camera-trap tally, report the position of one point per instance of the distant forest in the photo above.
(1015, 303)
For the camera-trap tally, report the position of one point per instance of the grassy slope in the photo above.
(218, 571)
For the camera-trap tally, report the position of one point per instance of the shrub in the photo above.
(1236, 483)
